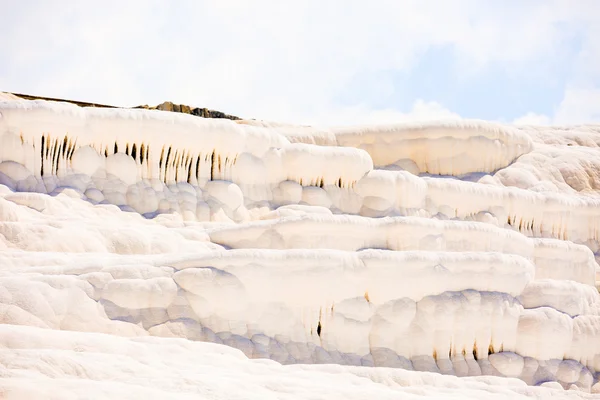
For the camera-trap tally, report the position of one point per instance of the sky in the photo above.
(323, 62)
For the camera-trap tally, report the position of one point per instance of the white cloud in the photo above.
(532, 119)
(275, 60)
(581, 99)
(579, 106)
(363, 115)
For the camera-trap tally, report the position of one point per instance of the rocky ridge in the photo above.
(166, 106)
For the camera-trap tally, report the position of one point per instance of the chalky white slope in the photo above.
(442, 250)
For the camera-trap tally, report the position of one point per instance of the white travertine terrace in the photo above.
(461, 248)
(453, 148)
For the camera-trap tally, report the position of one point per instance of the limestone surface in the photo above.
(352, 262)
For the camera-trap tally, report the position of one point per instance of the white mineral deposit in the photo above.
(150, 254)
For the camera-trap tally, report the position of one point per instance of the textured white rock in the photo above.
(450, 148)
(140, 293)
(288, 243)
(508, 364)
(99, 366)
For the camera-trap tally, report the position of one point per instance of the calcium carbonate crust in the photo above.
(461, 248)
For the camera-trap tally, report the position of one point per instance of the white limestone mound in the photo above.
(445, 148)
(409, 258)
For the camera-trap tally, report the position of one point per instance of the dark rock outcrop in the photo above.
(182, 108)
